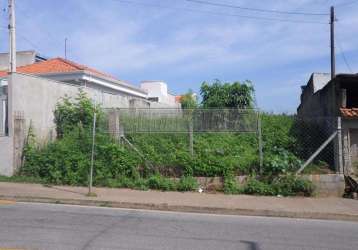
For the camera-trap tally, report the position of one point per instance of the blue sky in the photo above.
(162, 40)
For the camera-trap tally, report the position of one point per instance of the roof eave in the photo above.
(98, 79)
(115, 86)
(115, 81)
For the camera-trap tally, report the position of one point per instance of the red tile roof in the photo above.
(178, 98)
(56, 65)
(349, 112)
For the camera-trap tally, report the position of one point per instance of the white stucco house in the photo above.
(31, 94)
(158, 91)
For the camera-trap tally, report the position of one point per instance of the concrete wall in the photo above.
(37, 97)
(6, 156)
(2, 114)
(353, 146)
(159, 89)
(350, 145)
(22, 58)
(325, 184)
(322, 103)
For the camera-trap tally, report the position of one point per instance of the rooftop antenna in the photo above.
(12, 36)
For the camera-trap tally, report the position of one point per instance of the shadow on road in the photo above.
(251, 244)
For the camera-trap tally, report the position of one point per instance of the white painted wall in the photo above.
(3, 85)
(36, 99)
(6, 156)
(159, 89)
(22, 58)
(155, 89)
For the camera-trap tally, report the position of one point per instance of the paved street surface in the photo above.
(295, 207)
(51, 226)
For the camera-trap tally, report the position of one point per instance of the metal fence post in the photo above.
(92, 153)
(339, 154)
(259, 131)
(191, 135)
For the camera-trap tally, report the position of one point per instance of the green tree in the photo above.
(227, 95)
(188, 101)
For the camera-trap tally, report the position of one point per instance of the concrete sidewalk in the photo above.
(298, 207)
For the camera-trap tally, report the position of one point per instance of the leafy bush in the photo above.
(254, 186)
(214, 153)
(69, 113)
(289, 185)
(189, 101)
(67, 160)
(161, 183)
(286, 185)
(187, 183)
(280, 161)
(227, 95)
(276, 131)
(230, 185)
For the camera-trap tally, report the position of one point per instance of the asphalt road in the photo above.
(46, 226)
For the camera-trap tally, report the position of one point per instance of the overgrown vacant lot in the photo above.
(158, 157)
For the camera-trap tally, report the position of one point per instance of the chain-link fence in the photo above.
(170, 138)
(227, 133)
(315, 140)
(174, 121)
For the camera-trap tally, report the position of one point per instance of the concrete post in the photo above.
(12, 37)
(114, 127)
(259, 130)
(191, 138)
(339, 152)
(19, 139)
(346, 152)
(2, 115)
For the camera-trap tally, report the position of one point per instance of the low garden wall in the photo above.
(325, 184)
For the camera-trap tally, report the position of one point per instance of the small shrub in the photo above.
(289, 185)
(140, 184)
(188, 183)
(230, 185)
(280, 161)
(120, 182)
(276, 131)
(161, 183)
(73, 111)
(254, 186)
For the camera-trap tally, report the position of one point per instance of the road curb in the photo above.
(189, 209)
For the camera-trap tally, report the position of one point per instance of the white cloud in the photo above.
(127, 40)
